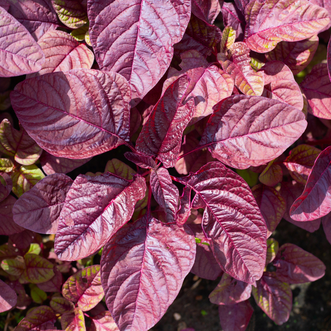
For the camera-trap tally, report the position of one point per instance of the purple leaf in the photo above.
(7, 224)
(22, 240)
(296, 55)
(8, 297)
(233, 17)
(120, 169)
(324, 4)
(20, 54)
(237, 64)
(329, 58)
(63, 53)
(103, 322)
(274, 297)
(136, 38)
(245, 130)
(230, 291)
(73, 321)
(235, 317)
(314, 201)
(83, 113)
(272, 205)
(206, 10)
(95, 208)
(84, 288)
(272, 174)
(39, 209)
(162, 134)
(231, 220)
(165, 192)
(6, 185)
(272, 21)
(295, 265)
(142, 269)
(317, 87)
(326, 222)
(140, 160)
(36, 318)
(54, 284)
(52, 164)
(60, 305)
(280, 84)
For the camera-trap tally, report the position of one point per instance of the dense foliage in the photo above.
(218, 115)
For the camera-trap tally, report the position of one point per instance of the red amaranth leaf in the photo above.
(295, 265)
(140, 160)
(73, 321)
(272, 250)
(7, 225)
(103, 322)
(136, 38)
(250, 131)
(54, 284)
(6, 185)
(233, 17)
(274, 297)
(231, 210)
(206, 10)
(63, 53)
(36, 318)
(141, 258)
(120, 169)
(95, 208)
(296, 55)
(324, 4)
(162, 133)
(39, 209)
(8, 297)
(84, 288)
(230, 291)
(60, 305)
(314, 201)
(20, 54)
(235, 317)
(272, 21)
(317, 89)
(271, 175)
(86, 111)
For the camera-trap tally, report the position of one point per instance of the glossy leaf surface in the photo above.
(70, 12)
(238, 144)
(272, 21)
(90, 117)
(156, 256)
(95, 208)
(39, 209)
(136, 38)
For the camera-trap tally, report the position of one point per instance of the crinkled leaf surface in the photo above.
(162, 134)
(8, 297)
(39, 209)
(84, 288)
(86, 111)
(295, 265)
(20, 54)
(231, 220)
(237, 64)
(296, 55)
(70, 12)
(324, 4)
(63, 53)
(249, 131)
(136, 38)
(7, 225)
(272, 21)
(274, 297)
(140, 160)
(206, 10)
(103, 322)
(235, 317)
(314, 202)
(317, 89)
(142, 269)
(18, 144)
(165, 192)
(95, 208)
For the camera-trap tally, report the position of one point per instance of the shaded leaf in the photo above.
(206, 10)
(102, 205)
(244, 130)
(14, 266)
(55, 283)
(155, 256)
(272, 21)
(6, 165)
(8, 297)
(22, 240)
(73, 321)
(327, 227)
(60, 305)
(91, 116)
(37, 295)
(103, 322)
(272, 174)
(272, 250)
(120, 169)
(39, 209)
(234, 18)
(140, 160)
(136, 38)
(7, 224)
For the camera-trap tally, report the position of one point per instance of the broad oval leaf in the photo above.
(120, 169)
(36, 318)
(86, 111)
(39, 209)
(84, 288)
(272, 21)
(162, 133)
(136, 38)
(8, 297)
(206, 10)
(60, 305)
(7, 225)
(55, 283)
(317, 89)
(250, 131)
(274, 297)
(142, 260)
(95, 208)
(314, 202)
(272, 174)
(232, 221)
(63, 53)
(20, 54)
(295, 265)
(165, 192)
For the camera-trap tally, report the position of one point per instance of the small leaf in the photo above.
(14, 266)
(272, 250)
(84, 288)
(7, 225)
(73, 321)
(272, 174)
(34, 249)
(37, 295)
(103, 322)
(8, 297)
(55, 283)
(60, 305)
(206, 10)
(6, 165)
(120, 169)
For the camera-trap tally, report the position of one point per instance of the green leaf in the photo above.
(37, 295)
(79, 34)
(249, 176)
(34, 249)
(6, 165)
(120, 169)
(14, 266)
